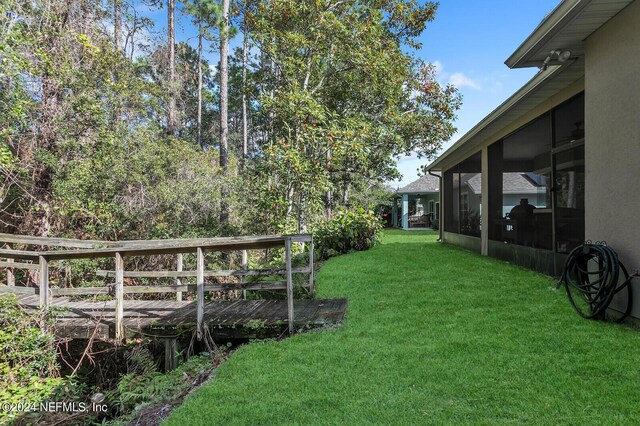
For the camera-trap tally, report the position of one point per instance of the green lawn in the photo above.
(434, 334)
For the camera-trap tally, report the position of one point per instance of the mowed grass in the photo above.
(434, 334)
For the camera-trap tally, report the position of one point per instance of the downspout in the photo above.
(441, 205)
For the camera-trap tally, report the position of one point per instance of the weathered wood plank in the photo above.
(211, 242)
(245, 267)
(255, 286)
(311, 272)
(11, 264)
(119, 296)
(140, 244)
(153, 247)
(287, 254)
(16, 289)
(79, 291)
(200, 292)
(170, 354)
(44, 282)
(238, 319)
(53, 242)
(145, 289)
(185, 274)
(179, 266)
(82, 329)
(299, 238)
(141, 289)
(197, 242)
(19, 254)
(29, 299)
(11, 278)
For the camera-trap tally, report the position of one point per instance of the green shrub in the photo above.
(28, 356)
(144, 385)
(347, 230)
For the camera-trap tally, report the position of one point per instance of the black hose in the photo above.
(591, 278)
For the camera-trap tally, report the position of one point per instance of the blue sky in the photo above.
(468, 41)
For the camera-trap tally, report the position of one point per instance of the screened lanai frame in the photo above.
(542, 169)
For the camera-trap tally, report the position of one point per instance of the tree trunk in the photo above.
(117, 25)
(245, 134)
(117, 43)
(171, 113)
(199, 123)
(329, 191)
(224, 105)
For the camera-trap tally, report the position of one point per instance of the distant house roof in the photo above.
(424, 184)
(518, 183)
(512, 183)
(474, 183)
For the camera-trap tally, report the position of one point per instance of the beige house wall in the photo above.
(612, 132)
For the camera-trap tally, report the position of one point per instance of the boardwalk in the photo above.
(122, 316)
(170, 319)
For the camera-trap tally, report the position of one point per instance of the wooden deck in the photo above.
(169, 318)
(125, 317)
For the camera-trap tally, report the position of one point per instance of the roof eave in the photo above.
(549, 26)
(523, 92)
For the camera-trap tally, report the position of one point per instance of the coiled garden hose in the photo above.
(592, 277)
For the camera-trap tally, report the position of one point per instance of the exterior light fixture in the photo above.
(563, 56)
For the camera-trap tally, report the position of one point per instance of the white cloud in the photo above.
(460, 80)
(438, 67)
(457, 79)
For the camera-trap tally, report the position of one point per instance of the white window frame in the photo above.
(464, 202)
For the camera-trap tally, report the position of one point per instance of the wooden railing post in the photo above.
(287, 256)
(178, 279)
(11, 278)
(44, 282)
(119, 293)
(200, 292)
(311, 274)
(170, 354)
(245, 266)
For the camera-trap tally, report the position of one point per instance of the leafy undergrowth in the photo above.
(434, 334)
(28, 367)
(153, 395)
(141, 396)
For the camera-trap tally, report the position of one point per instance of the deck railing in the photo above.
(39, 261)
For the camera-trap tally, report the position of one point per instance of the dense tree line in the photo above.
(108, 131)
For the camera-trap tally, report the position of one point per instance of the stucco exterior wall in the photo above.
(612, 138)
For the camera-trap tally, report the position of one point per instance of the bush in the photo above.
(28, 358)
(349, 229)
